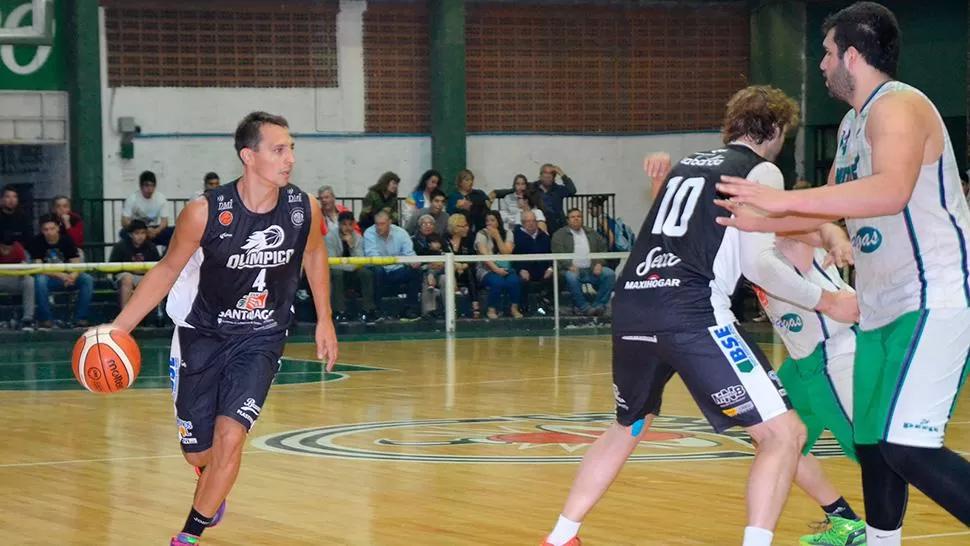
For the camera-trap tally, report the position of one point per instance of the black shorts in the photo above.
(214, 376)
(725, 371)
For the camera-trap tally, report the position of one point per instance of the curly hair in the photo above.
(757, 112)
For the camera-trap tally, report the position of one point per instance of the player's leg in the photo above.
(934, 368)
(639, 378)
(730, 379)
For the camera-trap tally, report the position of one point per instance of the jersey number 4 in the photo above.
(674, 215)
(260, 283)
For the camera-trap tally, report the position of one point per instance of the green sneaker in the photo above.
(838, 531)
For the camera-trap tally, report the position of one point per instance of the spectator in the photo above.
(552, 194)
(134, 249)
(498, 276)
(508, 204)
(386, 239)
(582, 241)
(345, 241)
(209, 182)
(420, 198)
(13, 221)
(382, 196)
(49, 247)
(69, 221)
(460, 244)
(12, 252)
(428, 242)
(529, 239)
(436, 210)
(469, 201)
(149, 206)
(603, 222)
(331, 210)
(531, 202)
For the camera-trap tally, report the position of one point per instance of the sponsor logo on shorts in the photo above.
(743, 408)
(185, 432)
(620, 402)
(656, 259)
(734, 348)
(730, 395)
(867, 240)
(653, 281)
(792, 322)
(773, 376)
(249, 411)
(923, 426)
(173, 375)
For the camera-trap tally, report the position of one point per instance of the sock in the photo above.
(840, 509)
(196, 523)
(754, 536)
(877, 537)
(565, 530)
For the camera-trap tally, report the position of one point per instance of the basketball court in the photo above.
(463, 442)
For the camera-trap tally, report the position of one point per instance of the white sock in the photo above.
(565, 530)
(755, 536)
(878, 537)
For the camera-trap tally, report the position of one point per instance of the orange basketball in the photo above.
(106, 360)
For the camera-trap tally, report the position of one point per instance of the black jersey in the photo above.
(684, 267)
(243, 278)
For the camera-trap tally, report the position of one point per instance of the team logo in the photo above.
(297, 216)
(225, 217)
(517, 439)
(253, 301)
(266, 239)
(260, 250)
(791, 322)
(867, 240)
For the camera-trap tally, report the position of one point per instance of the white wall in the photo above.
(186, 133)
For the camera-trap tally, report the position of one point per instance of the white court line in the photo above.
(106, 460)
(940, 535)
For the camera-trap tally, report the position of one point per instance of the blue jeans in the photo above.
(43, 285)
(603, 284)
(496, 284)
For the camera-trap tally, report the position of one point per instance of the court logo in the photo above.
(516, 439)
(16, 20)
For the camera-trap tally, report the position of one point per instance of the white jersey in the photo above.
(801, 329)
(916, 259)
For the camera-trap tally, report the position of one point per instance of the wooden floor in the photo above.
(468, 442)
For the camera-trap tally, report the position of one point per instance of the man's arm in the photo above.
(158, 281)
(315, 262)
(126, 211)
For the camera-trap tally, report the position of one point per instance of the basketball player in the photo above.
(818, 374)
(895, 179)
(235, 264)
(672, 313)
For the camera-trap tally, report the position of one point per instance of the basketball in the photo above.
(106, 360)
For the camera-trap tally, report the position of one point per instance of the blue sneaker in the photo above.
(185, 539)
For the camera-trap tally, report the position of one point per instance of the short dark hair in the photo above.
(147, 177)
(570, 211)
(756, 111)
(872, 29)
(10, 187)
(48, 218)
(210, 176)
(345, 215)
(135, 225)
(437, 193)
(249, 131)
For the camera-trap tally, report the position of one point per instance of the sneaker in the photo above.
(572, 542)
(28, 325)
(222, 507)
(836, 531)
(184, 539)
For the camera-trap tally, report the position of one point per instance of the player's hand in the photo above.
(326, 338)
(750, 192)
(842, 306)
(840, 255)
(744, 219)
(657, 165)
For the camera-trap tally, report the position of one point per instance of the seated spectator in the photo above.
(346, 242)
(436, 210)
(529, 239)
(136, 248)
(51, 248)
(531, 202)
(331, 210)
(582, 241)
(14, 221)
(427, 242)
(386, 239)
(12, 252)
(553, 194)
(209, 182)
(69, 221)
(498, 276)
(508, 200)
(382, 196)
(149, 206)
(420, 198)
(460, 244)
(469, 201)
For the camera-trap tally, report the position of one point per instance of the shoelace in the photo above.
(819, 527)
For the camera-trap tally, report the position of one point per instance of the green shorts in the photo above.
(908, 377)
(820, 390)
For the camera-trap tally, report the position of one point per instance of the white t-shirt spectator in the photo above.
(151, 211)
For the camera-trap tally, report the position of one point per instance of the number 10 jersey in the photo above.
(684, 267)
(244, 276)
